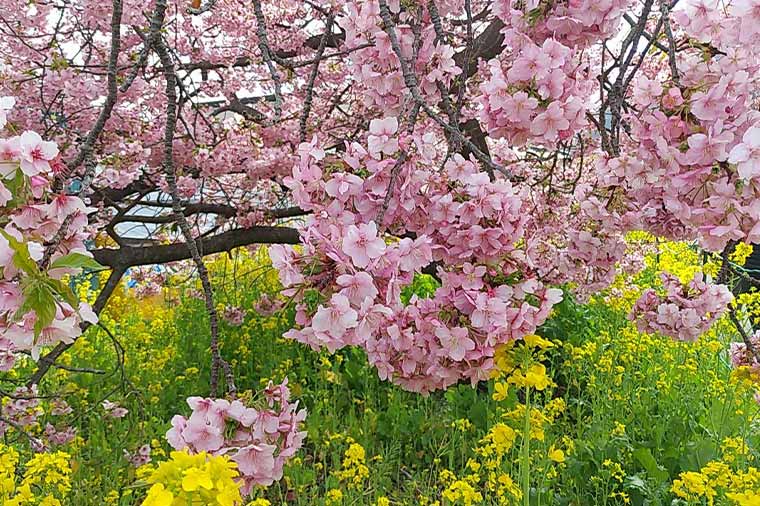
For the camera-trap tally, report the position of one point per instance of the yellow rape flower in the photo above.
(50, 501)
(534, 377)
(191, 478)
(334, 496)
(556, 455)
(748, 498)
(536, 341)
(195, 479)
(158, 496)
(462, 492)
(500, 391)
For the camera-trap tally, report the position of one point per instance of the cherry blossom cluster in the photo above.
(259, 439)
(575, 240)
(684, 312)
(534, 93)
(140, 457)
(540, 84)
(147, 281)
(741, 356)
(574, 22)
(348, 276)
(377, 67)
(693, 171)
(113, 409)
(24, 411)
(266, 306)
(233, 315)
(36, 308)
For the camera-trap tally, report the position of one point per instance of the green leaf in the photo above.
(16, 186)
(21, 257)
(63, 291)
(40, 298)
(650, 465)
(698, 453)
(76, 261)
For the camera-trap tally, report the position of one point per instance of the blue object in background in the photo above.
(75, 186)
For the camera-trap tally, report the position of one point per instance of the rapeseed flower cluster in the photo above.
(46, 479)
(717, 480)
(8, 462)
(354, 469)
(333, 497)
(462, 492)
(526, 410)
(199, 479)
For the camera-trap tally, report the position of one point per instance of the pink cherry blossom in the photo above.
(549, 123)
(36, 154)
(684, 312)
(335, 318)
(455, 342)
(113, 410)
(357, 287)
(381, 138)
(362, 244)
(203, 435)
(746, 155)
(260, 438)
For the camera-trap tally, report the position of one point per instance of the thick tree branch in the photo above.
(156, 22)
(487, 45)
(149, 255)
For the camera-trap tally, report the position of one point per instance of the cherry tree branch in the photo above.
(156, 22)
(170, 174)
(743, 333)
(266, 53)
(665, 10)
(130, 256)
(312, 79)
(391, 186)
(410, 81)
(85, 151)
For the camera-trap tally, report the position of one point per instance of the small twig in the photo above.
(742, 332)
(65, 367)
(389, 193)
(628, 19)
(120, 355)
(665, 10)
(725, 265)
